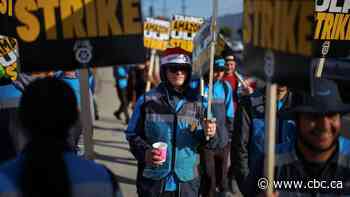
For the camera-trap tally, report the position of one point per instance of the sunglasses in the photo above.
(176, 68)
(219, 69)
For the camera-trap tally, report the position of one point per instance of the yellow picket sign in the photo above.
(183, 31)
(156, 34)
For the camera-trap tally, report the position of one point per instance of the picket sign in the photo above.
(156, 34)
(183, 29)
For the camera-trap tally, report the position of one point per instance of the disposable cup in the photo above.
(162, 147)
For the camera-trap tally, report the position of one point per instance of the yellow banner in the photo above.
(156, 34)
(76, 19)
(155, 44)
(183, 30)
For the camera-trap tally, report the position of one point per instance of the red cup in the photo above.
(162, 147)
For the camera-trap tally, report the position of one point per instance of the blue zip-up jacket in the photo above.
(222, 110)
(153, 120)
(87, 177)
(289, 166)
(249, 137)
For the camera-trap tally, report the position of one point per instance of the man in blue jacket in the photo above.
(248, 140)
(120, 73)
(319, 158)
(214, 157)
(169, 113)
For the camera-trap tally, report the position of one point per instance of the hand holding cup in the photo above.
(209, 128)
(156, 155)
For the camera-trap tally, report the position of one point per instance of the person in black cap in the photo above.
(319, 159)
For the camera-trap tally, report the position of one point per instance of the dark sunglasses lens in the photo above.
(176, 68)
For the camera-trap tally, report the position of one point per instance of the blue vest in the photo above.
(285, 131)
(179, 128)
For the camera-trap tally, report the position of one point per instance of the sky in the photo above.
(202, 8)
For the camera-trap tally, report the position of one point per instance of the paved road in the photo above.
(111, 148)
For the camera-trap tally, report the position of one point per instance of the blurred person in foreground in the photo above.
(215, 157)
(48, 166)
(11, 139)
(169, 113)
(248, 140)
(319, 153)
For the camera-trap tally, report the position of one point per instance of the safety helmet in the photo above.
(173, 56)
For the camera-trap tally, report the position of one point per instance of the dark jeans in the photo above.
(153, 188)
(123, 107)
(170, 194)
(214, 165)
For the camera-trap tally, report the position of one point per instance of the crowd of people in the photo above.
(231, 161)
(182, 148)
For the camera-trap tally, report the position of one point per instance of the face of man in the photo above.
(176, 75)
(218, 73)
(281, 92)
(319, 133)
(230, 65)
(281, 89)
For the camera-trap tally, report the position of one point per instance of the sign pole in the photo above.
(86, 115)
(270, 130)
(211, 64)
(150, 69)
(201, 86)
